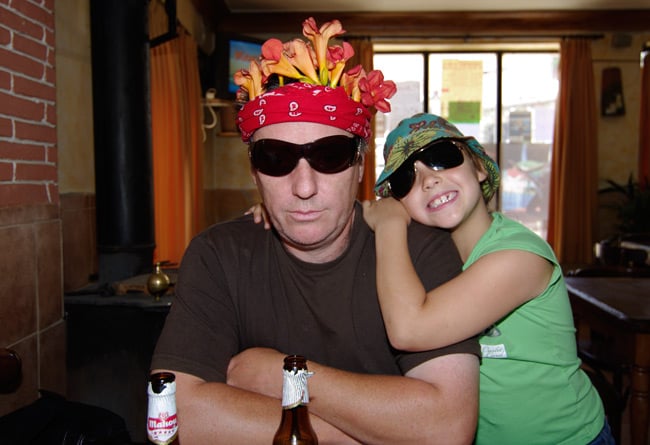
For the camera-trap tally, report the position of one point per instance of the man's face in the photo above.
(311, 211)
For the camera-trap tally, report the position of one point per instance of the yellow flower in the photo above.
(250, 80)
(300, 56)
(337, 56)
(319, 39)
(275, 62)
(350, 81)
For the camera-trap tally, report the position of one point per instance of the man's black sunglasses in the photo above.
(331, 154)
(438, 155)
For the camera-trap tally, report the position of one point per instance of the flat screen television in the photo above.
(233, 52)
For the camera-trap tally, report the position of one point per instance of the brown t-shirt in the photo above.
(239, 288)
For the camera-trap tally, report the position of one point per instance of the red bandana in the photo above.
(301, 102)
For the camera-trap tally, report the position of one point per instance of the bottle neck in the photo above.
(162, 422)
(294, 388)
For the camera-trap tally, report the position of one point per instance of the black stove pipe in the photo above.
(122, 136)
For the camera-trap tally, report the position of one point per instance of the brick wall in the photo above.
(28, 157)
(31, 296)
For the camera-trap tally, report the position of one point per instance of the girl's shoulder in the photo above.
(506, 234)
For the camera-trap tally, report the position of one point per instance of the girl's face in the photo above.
(445, 198)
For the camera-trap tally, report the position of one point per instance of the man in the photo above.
(246, 296)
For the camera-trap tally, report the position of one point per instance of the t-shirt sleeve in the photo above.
(408, 361)
(436, 261)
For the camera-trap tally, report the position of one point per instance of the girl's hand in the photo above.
(259, 215)
(386, 210)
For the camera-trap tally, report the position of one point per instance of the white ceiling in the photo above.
(240, 6)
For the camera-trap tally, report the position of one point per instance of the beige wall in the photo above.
(75, 142)
(228, 184)
(618, 137)
(74, 97)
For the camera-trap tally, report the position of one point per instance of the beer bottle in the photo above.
(295, 426)
(162, 423)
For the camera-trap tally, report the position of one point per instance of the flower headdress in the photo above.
(315, 63)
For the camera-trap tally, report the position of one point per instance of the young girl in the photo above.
(511, 290)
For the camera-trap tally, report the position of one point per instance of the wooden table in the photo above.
(618, 310)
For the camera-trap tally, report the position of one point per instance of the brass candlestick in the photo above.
(158, 282)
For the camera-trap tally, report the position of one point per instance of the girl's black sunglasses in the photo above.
(331, 154)
(438, 155)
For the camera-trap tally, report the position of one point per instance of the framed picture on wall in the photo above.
(611, 93)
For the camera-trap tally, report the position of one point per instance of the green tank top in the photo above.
(532, 388)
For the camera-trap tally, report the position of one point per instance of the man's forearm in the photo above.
(392, 409)
(437, 403)
(217, 413)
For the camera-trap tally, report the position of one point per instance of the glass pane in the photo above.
(529, 91)
(463, 90)
(407, 71)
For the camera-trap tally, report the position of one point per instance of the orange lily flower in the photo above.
(375, 91)
(274, 60)
(319, 39)
(350, 82)
(337, 56)
(250, 80)
(300, 56)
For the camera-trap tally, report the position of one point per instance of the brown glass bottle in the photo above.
(162, 423)
(295, 426)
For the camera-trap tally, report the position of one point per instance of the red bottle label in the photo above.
(162, 430)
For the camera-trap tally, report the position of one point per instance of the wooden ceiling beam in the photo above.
(444, 24)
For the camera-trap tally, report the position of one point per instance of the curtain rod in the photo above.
(533, 37)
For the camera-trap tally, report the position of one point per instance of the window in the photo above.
(506, 99)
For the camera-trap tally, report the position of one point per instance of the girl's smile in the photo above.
(443, 199)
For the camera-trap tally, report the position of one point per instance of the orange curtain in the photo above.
(176, 139)
(574, 168)
(363, 55)
(644, 123)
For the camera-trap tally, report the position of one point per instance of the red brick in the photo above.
(50, 75)
(6, 171)
(34, 132)
(21, 194)
(49, 38)
(5, 36)
(24, 152)
(29, 88)
(34, 12)
(5, 80)
(19, 24)
(6, 128)
(52, 154)
(35, 172)
(11, 105)
(30, 47)
(21, 64)
(50, 114)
